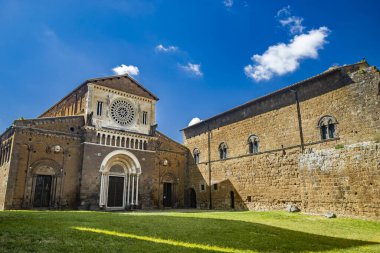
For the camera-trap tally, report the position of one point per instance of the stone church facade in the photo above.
(315, 144)
(97, 148)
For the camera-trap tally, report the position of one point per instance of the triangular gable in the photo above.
(124, 83)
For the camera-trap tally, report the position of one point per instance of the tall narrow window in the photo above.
(222, 150)
(196, 155)
(331, 131)
(145, 118)
(99, 109)
(327, 125)
(253, 144)
(324, 132)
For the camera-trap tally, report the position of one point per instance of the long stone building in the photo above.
(315, 144)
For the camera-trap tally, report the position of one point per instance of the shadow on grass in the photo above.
(207, 234)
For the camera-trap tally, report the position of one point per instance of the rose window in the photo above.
(122, 112)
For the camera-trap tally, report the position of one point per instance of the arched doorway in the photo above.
(43, 185)
(232, 199)
(169, 189)
(193, 198)
(119, 185)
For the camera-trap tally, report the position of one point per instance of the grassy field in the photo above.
(176, 231)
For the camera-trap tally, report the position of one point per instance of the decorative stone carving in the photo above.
(122, 112)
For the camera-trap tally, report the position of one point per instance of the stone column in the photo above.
(137, 190)
(125, 191)
(133, 188)
(129, 188)
(102, 199)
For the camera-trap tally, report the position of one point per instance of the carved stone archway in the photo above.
(119, 185)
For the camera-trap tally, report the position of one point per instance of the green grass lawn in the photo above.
(176, 231)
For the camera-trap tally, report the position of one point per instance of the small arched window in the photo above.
(196, 155)
(327, 126)
(253, 144)
(223, 150)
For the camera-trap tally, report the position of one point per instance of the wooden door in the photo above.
(42, 191)
(167, 194)
(115, 191)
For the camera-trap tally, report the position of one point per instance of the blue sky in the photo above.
(199, 57)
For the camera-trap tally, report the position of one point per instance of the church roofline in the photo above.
(167, 137)
(51, 118)
(18, 122)
(120, 76)
(287, 88)
(96, 79)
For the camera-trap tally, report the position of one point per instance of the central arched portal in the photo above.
(119, 185)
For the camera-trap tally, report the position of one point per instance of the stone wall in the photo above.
(171, 164)
(4, 173)
(33, 149)
(165, 161)
(344, 180)
(73, 104)
(276, 175)
(6, 146)
(93, 156)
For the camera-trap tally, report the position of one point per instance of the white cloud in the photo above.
(124, 69)
(293, 23)
(194, 121)
(284, 11)
(228, 3)
(285, 58)
(162, 48)
(194, 69)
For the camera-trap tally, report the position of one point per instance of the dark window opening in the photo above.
(145, 146)
(324, 132)
(196, 155)
(327, 125)
(145, 118)
(253, 143)
(99, 108)
(331, 131)
(215, 186)
(222, 151)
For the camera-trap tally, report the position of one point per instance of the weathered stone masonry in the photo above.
(97, 148)
(340, 173)
(315, 144)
